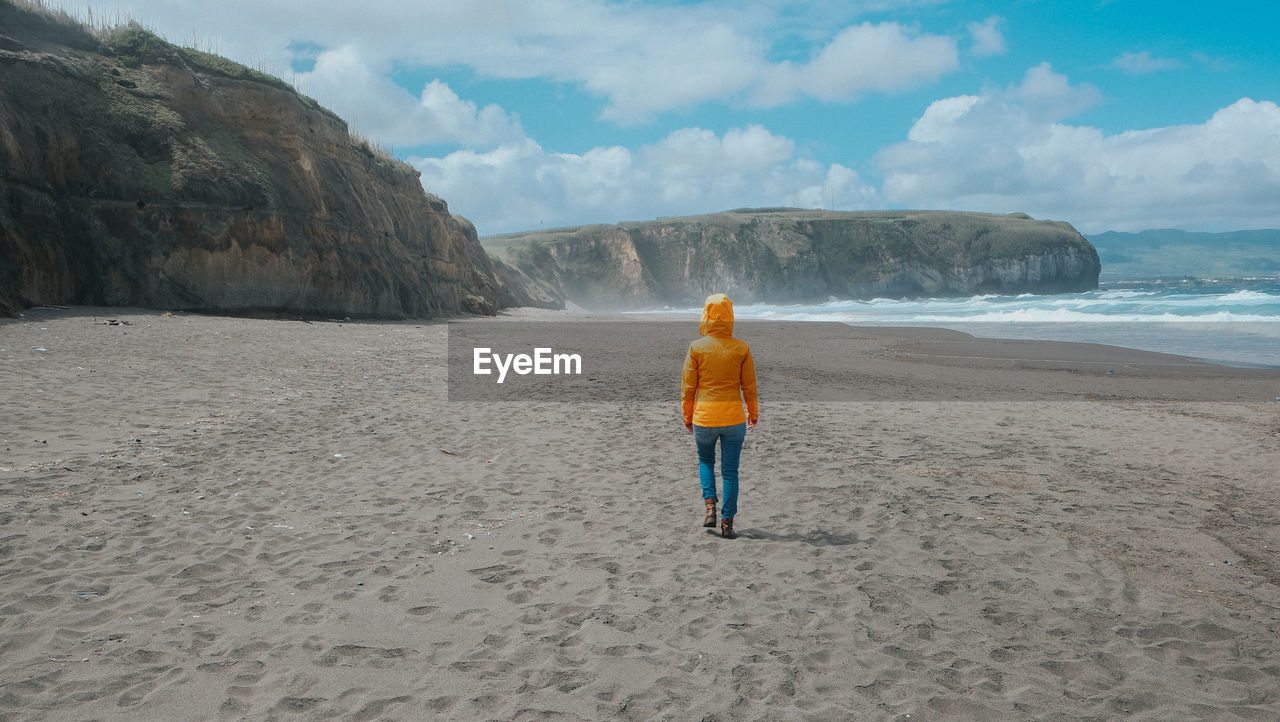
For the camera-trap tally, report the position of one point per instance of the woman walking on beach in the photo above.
(718, 376)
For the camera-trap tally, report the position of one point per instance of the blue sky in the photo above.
(1111, 115)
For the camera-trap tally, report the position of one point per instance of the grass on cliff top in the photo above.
(503, 245)
(132, 44)
(40, 19)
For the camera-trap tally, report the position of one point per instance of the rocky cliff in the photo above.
(134, 172)
(791, 255)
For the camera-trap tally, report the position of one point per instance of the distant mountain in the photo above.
(1175, 253)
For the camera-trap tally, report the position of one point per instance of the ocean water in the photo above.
(1234, 322)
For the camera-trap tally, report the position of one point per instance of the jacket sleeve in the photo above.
(749, 386)
(688, 386)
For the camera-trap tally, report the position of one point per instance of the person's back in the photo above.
(719, 375)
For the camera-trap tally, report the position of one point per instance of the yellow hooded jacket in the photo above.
(718, 371)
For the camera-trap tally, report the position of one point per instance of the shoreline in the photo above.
(1142, 314)
(1096, 350)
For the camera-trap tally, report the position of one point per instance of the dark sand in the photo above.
(221, 518)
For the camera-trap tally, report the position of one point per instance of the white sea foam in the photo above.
(1249, 297)
(1235, 321)
(1063, 315)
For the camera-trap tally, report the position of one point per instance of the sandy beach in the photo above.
(229, 518)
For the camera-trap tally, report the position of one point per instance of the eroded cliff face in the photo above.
(787, 255)
(136, 173)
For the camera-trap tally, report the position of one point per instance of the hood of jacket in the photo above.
(717, 317)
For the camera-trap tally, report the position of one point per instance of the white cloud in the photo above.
(1142, 63)
(1003, 151)
(344, 80)
(861, 58)
(987, 38)
(690, 152)
(1047, 95)
(689, 171)
(638, 81)
(939, 122)
(446, 116)
(641, 59)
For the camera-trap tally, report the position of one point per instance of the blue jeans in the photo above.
(730, 438)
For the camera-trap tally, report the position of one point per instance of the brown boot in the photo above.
(726, 529)
(710, 520)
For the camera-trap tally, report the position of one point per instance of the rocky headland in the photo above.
(794, 256)
(137, 173)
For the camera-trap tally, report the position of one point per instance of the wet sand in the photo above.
(225, 518)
